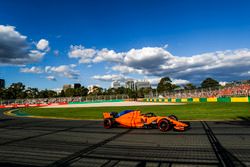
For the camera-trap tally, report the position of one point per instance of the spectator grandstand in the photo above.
(237, 90)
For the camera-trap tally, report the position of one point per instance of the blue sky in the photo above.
(95, 42)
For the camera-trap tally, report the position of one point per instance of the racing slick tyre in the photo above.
(107, 123)
(164, 125)
(173, 117)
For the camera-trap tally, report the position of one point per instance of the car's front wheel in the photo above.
(107, 123)
(164, 125)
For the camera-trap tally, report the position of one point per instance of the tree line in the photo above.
(166, 85)
(19, 90)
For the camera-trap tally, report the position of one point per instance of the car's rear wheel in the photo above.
(164, 125)
(107, 123)
(173, 117)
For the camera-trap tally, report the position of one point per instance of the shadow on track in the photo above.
(15, 165)
(224, 156)
(243, 121)
(6, 119)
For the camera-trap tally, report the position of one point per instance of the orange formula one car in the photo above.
(135, 119)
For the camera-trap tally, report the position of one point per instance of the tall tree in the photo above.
(110, 91)
(82, 91)
(209, 82)
(165, 84)
(140, 93)
(120, 90)
(51, 93)
(189, 86)
(147, 91)
(16, 90)
(2, 91)
(69, 92)
(47, 93)
(31, 92)
(62, 94)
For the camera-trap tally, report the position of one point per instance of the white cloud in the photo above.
(179, 81)
(107, 55)
(218, 64)
(221, 64)
(88, 55)
(165, 46)
(147, 57)
(36, 54)
(84, 55)
(57, 90)
(47, 69)
(153, 81)
(15, 49)
(35, 70)
(73, 65)
(43, 45)
(158, 62)
(67, 71)
(126, 69)
(51, 78)
(112, 77)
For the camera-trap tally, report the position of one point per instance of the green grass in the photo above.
(190, 111)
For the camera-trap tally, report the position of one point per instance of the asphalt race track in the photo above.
(48, 142)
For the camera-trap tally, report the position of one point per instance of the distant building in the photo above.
(115, 84)
(136, 85)
(2, 83)
(130, 84)
(142, 84)
(66, 86)
(77, 85)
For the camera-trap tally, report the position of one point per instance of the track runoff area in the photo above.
(36, 142)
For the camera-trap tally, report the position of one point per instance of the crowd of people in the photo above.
(239, 90)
